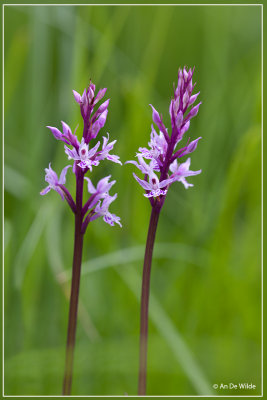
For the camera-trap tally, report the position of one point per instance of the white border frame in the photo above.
(133, 5)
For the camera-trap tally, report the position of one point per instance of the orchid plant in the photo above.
(161, 170)
(85, 156)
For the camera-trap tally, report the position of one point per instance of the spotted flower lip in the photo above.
(53, 182)
(84, 155)
(154, 186)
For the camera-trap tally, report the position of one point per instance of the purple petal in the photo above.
(56, 132)
(66, 129)
(95, 216)
(57, 189)
(84, 98)
(77, 97)
(62, 179)
(92, 151)
(104, 185)
(114, 158)
(185, 99)
(165, 182)
(179, 119)
(171, 108)
(133, 162)
(193, 112)
(191, 147)
(102, 118)
(91, 188)
(98, 124)
(51, 176)
(193, 98)
(185, 128)
(100, 95)
(174, 166)
(144, 184)
(71, 153)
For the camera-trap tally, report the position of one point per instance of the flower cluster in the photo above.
(85, 156)
(162, 167)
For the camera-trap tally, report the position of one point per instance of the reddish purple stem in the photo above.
(75, 285)
(145, 299)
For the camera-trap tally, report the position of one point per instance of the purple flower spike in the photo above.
(162, 151)
(53, 182)
(84, 154)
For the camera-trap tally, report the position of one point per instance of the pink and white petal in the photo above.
(174, 166)
(72, 154)
(91, 188)
(144, 152)
(62, 179)
(133, 162)
(45, 190)
(165, 182)
(107, 201)
(185, 183)
(184, 167)
(114, 158)
(92, 151)
(103, 184)
(143, 183)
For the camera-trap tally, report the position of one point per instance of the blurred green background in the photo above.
(205, 313)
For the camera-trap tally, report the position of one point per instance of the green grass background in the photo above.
(205, 314)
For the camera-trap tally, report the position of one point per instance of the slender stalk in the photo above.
(145, 299)
(75, 285)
